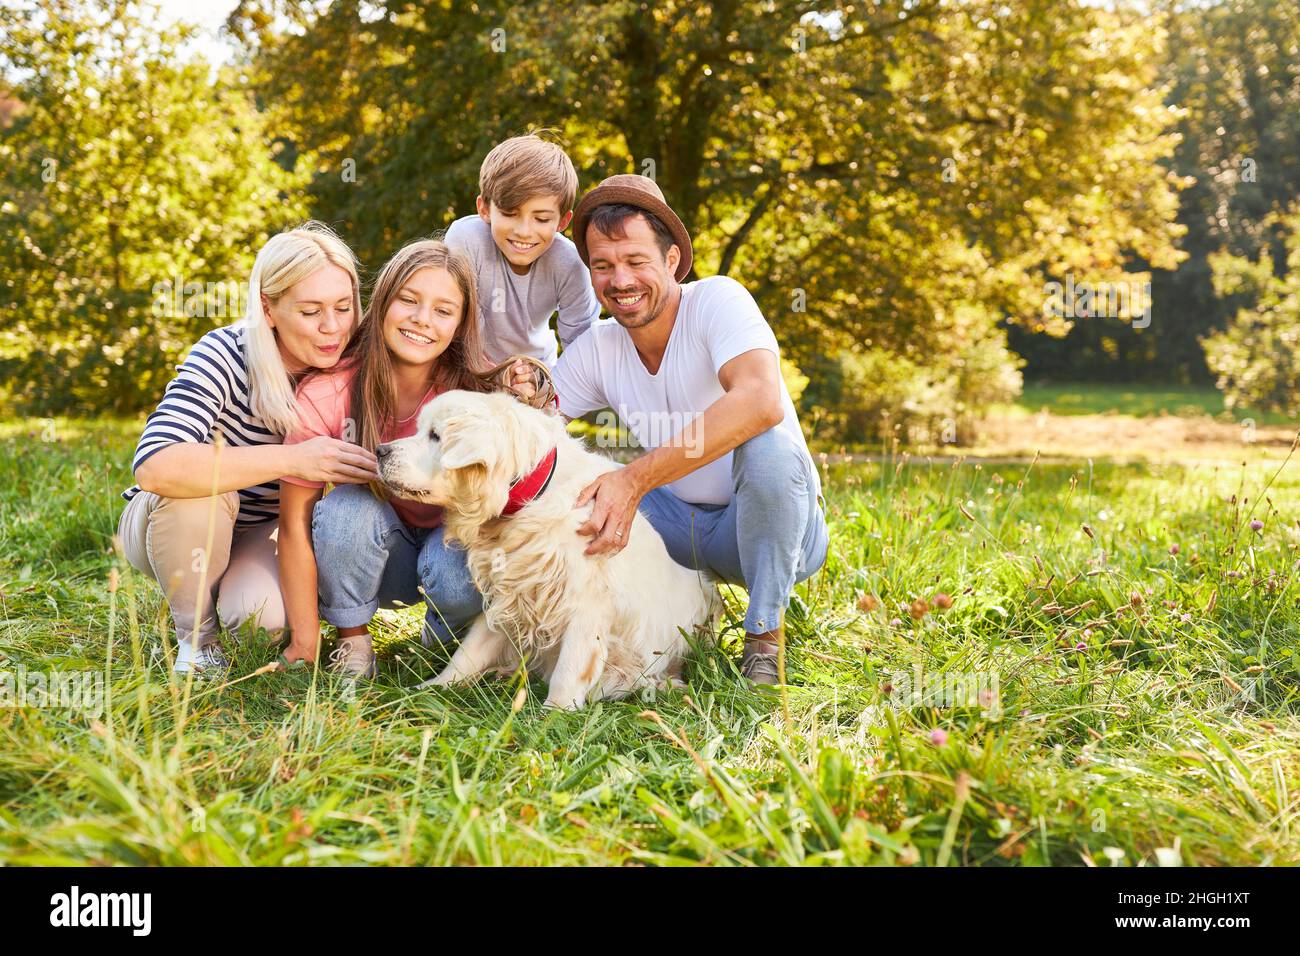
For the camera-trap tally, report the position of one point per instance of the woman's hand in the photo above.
(521, 380)
(338, 462)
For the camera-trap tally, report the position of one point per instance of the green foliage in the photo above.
(866, 395)
(1257, 358)
(867, 171)
(127, 170)
(795, 380)
(1229, 71)
(1175, 725)
(863, 170)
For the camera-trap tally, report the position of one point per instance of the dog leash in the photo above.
(530, 486)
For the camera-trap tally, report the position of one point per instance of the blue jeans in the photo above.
(771, 535)
(367, 558)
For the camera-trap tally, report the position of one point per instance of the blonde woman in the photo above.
(219, 428)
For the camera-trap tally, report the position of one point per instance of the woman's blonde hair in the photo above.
(284, 261)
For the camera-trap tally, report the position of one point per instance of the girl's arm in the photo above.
(186, 469)
(298, 570)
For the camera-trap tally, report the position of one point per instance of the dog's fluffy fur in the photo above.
(594, 627)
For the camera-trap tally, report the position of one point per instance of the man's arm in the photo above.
(752, 404)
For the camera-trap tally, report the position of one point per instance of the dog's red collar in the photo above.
(531, 485)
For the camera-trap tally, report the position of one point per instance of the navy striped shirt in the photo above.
(209, 395)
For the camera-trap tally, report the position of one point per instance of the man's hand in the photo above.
(615, 496)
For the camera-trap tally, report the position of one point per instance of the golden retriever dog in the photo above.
(508, 475)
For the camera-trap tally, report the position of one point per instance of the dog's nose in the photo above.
(382, 451)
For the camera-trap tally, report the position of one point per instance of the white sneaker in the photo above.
(207, 661)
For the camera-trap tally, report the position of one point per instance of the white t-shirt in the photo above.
(717, 319)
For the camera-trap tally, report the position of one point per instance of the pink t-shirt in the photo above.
(323, 405)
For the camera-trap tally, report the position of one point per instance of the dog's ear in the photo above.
(467, 482)
(462, 456)
(474, 495)
(471, 461)
(462, 447)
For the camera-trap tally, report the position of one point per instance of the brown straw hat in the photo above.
(641, 192)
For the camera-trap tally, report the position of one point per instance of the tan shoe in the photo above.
(353, 657)
(759, 663)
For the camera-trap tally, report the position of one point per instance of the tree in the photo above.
(1257, 358)
(898, 177)
(133, 182)
(1231, 76)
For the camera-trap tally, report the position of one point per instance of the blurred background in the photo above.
(977, 227)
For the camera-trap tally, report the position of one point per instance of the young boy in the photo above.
(526, 270)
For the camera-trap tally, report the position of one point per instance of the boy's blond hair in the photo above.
(525, 167)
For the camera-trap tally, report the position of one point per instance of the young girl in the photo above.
(358, 548)
(237, 383)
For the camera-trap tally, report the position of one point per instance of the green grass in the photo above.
(1075, 398)
(1146, 706)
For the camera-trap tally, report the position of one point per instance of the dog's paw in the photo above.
(442, 680)
(552, 703)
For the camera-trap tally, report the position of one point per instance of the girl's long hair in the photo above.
(285, 260)
(373, 398)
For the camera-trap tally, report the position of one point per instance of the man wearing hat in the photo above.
(693, 370)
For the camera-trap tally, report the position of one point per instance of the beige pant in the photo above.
(167, 538)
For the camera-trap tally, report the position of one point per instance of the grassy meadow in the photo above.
(1115, 682)
(1144, 401)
